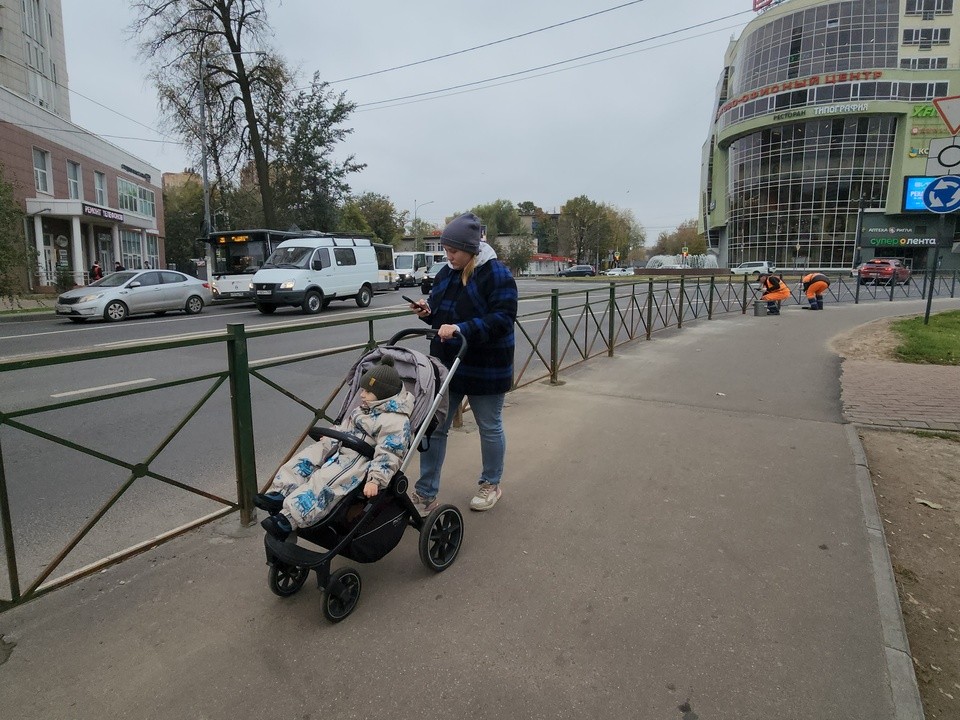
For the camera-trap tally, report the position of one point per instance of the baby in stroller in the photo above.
(307, 488)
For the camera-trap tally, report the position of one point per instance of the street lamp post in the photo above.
(416, 232)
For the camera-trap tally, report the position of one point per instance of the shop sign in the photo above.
(838, 78)
(916, 152)
(901, 242)
(841, 109)
(102, 213)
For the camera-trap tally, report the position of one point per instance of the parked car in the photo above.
(428, 277)
(618, 272)
(884, 271)
(754, 267)
(578, 271)
(132, 292)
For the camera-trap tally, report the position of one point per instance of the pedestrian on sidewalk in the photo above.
(96, 272)
(117, 267)
(476, 296)
(815, 284)
(775, 291)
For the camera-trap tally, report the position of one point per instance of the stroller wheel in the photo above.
(341, 594)
(285, 580)
(440, 538)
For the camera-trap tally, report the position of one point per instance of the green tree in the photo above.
(310, 183)
(686, 235)
(501, 218)
(581, 229)
(518, 254)
(16, 262)
(353, 221)
(385, 222)
(624, 235)
(183, 222)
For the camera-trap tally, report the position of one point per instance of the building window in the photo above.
(923, 63)
(926, 37)
(928, 8)
(131, 249)
(41, 170)
(100, 187)
(153, 252)
(74, 186)
(136, 199)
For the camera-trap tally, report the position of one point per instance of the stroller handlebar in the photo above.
(431, 333)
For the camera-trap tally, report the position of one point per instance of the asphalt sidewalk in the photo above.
(687, 530)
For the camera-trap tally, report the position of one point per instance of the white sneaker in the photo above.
(486, 496)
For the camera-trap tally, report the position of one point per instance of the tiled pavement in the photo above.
(887, 394)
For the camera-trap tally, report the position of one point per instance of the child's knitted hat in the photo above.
(382, 379)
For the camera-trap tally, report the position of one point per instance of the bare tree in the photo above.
(209, 42)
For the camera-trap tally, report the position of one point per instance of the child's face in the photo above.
(367, 397)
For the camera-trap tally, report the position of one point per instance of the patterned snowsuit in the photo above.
(318, 477)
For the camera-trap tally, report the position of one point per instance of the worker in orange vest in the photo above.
(775, 290)
(814, 285)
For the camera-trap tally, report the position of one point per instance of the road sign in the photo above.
(949, 109)
(944, 156)
(943, 194)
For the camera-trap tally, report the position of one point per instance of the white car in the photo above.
(614, 272)
(130, 292)
(759, 267)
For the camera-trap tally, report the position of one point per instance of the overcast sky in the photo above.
(623, 127)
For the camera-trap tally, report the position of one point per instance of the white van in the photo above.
(410, 267)
(309, 272)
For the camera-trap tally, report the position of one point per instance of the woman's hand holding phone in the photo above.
(419, 306)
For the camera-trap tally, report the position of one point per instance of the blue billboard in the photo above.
(913, 188)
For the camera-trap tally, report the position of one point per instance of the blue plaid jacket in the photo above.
(484, 309)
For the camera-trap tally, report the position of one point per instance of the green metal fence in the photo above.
(555, 331)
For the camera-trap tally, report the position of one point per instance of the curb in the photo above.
(904, 693)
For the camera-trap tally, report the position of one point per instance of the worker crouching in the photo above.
(774, 291)
(815, 285)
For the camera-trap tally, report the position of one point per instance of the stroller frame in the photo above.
(441, 532)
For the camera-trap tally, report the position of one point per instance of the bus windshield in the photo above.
(404, 262)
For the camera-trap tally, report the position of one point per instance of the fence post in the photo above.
(241, 410)
(743, 297)
(554, 336)
(8, 546)
(680, 304)
(610, 323)
(713, 280)
(649, 307)
(953, 284)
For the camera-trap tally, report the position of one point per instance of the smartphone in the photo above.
(412, 302)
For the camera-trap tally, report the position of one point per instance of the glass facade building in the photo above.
(823, 111)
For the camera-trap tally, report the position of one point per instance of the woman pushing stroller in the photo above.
(307, 488)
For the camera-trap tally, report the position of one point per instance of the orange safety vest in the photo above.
(774, 288)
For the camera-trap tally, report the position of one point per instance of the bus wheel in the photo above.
(312, 302)
(364, 296)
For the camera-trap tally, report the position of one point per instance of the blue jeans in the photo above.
(488, 412)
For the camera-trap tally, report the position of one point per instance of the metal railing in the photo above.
(570, 327)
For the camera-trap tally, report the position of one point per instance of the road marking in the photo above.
(103, 387)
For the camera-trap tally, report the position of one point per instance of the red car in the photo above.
(884, 271)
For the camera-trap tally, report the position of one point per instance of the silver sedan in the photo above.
(132, 292)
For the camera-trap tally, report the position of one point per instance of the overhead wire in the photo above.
(484, 45)
(471, 86)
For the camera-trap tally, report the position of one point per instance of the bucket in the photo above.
(759, 308)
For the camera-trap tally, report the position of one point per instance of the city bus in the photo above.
(233, 256)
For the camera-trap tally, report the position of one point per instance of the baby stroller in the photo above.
(364, 530)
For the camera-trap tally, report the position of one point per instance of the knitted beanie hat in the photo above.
(462, 233)
(382, 379)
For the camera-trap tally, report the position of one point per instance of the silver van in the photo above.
(310, 272)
